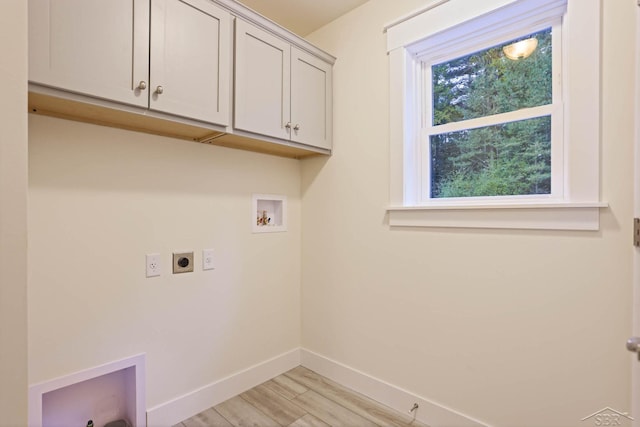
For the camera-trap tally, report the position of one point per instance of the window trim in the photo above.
(578, 205)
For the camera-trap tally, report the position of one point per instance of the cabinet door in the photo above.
(190, 60)
(94, 47)
(262, 82)
(311, 100)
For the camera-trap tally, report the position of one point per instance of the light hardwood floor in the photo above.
(300, 398)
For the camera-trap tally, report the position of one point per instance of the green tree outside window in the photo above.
(512, 158)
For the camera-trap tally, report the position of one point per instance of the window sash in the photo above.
(557, 167)
(421, 172)
(495, 119)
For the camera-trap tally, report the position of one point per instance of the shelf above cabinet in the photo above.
(50, 102)
(70, 106)
(260, 144)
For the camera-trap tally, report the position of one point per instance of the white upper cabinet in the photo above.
(280, 90)
(262, 82)
(101, 48)
(168, 67)
(190, 60)
(92, 47)
(311, 99)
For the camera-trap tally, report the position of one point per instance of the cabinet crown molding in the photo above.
(241, 11)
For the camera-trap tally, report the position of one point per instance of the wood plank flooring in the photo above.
(300, 398)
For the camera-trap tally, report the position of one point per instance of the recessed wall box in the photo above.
(112, 391)
(182, 262)
(269, 213)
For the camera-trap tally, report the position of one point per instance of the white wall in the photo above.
(514, 328)
(510, 327)
(102, 198)
(13, 213)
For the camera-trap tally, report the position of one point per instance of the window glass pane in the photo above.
(500, 160)
(488, 82)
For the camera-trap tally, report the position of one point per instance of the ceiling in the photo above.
(302, 16)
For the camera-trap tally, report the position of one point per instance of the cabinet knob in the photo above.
(288, 125)
(296, 127)
(159, 90)
(142, 85)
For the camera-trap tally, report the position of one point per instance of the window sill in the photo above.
(526, 216)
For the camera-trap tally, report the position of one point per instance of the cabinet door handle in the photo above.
(159, 90)
(296, 127)
(288, 125)
(142, 85)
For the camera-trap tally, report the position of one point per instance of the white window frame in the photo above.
(575, 200)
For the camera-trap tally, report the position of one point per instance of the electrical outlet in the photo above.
(153, 265)
(182, 262)
(207, 259)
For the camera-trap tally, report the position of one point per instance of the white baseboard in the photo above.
(429, 412)
(183, 407)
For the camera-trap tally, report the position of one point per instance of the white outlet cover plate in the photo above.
(153, 265)
(207, 259)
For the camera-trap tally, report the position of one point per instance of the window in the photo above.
(489, 120)
(481, 134)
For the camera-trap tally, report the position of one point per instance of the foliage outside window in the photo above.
(490, 130)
